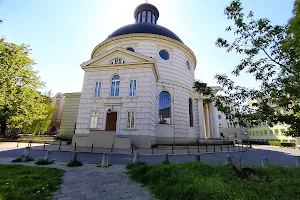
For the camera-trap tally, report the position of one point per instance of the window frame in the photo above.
(130, 120)
(94, 121)
(97, 91)
(191, 114)
(132, 90)
(115, 86)
(162, 120)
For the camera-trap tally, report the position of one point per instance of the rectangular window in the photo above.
(266, 132)
(97, 89)
(115, 88)
(131, 122)
(271, 132)
(282, 131)
(144, 16)
(94, 120)
(276, 131)
(132, 88)
(261, 132)
(153, 19)
(149, 17)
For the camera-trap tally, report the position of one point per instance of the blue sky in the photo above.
(63, 33)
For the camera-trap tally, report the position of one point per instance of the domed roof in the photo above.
(145, 28)
(146, 16)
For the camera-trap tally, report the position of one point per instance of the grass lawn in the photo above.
(19, 182)
(201, 181)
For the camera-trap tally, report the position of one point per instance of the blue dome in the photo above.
(147, 28)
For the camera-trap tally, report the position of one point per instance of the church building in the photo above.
(138, 90)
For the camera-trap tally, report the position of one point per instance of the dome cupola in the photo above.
(146, 13)
(146, 16)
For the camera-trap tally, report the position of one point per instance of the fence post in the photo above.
(188, 149)
(228, 160)
(131, 149)
(92, 150)
(197, 156)
(206, 147)
(44, 145)
(264, 162)
(75, 147)
(59, 145)
(221, 147)
(214, 148)
(18, 144)
(172, 149)
(233, 146)
(297, 161)
(152, 150)
(198, 147)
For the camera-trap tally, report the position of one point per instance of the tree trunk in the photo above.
(3, 128)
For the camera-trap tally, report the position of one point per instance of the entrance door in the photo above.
(111, 121)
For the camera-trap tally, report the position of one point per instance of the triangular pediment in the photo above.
(117, 53)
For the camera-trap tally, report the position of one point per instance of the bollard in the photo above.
(59, 145)
(264, 162)
(75, 147)
(18, 144)
(172, 149)
(48, 156)
(26, 152)
(228, 146)
(25, 155)
(233, 146)
(152, 150)
(198, 148)
(250, 145)
(166, 158)
(92, 150)
(75, 156)
(297, 161)
(197, 156)
(221, 147)
(131, 149)
(228, 160)
(104, 162)
(188, 149)
(206, 147)
(136, 157)
(214, 148)
(242, 146)
(44, 145)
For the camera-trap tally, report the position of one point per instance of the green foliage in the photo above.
(74, 163)
(23, 159)
(20, 102)
(40, 126)
(275, 143)
(271, 54)
(26, 182)
(133, 165)
(191, 181)
(44, 162)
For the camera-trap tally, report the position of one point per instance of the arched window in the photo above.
(191, 112)
(115, 86)
(117, 61)
(164, 108)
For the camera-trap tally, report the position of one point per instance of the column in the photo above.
(201, 119)
(214, 121)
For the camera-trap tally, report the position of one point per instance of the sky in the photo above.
(63, 33)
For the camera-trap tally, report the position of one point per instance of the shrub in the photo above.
(44, 162)
(275, 143)
(23, 159)
(283, 144)
(133, 165)
(74, 163)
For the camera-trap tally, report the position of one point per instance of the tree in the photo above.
(271, 54)
(20, 102)
(41, 125)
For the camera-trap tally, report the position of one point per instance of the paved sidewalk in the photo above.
(6, 146)
(94, 183)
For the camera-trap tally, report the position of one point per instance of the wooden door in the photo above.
(111, 121)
